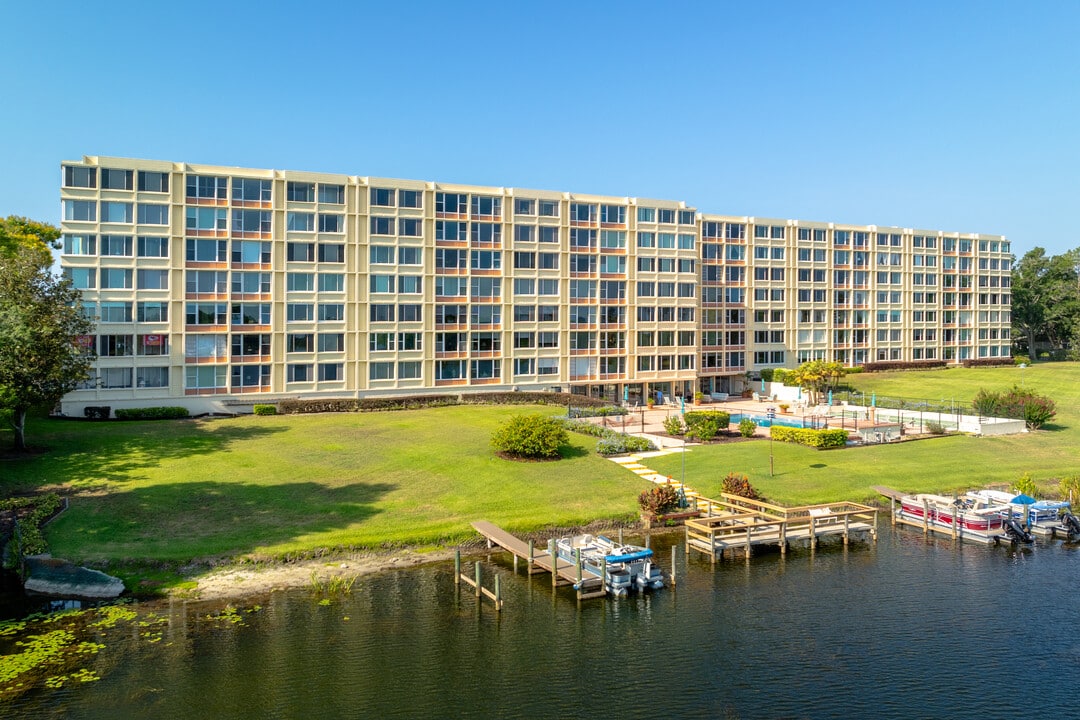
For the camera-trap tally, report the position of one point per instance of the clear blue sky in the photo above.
(942, 115)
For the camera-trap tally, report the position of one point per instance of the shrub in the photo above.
(264, 409)
(987, 362)
(1021, 359)
(780, 375)
(736, 484)
(1025, 485)
(29, 539)
(658, 500)
(886, 365)
(705, 431)
(747, 427)
(854, 370)
(935, 428)
(615, 444)
(767, 374)
(809, 437)
(597, 411)
(97, 412)
(1036, 410)
(673, 425)
(584, 428)
(1070, 488)
(530, 436)
(152, 413)
(694, 418)
(297, 406)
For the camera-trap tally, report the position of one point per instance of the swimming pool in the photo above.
(764, 421)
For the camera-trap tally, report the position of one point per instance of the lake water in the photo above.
(908, 628)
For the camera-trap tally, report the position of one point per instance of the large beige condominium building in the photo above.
(217, 287)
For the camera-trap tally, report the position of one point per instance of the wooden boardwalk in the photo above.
(542, 560)
(735, 522)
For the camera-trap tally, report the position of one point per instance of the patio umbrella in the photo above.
(1024, 500)
(762, 384)
(873, 399)
(830, 398)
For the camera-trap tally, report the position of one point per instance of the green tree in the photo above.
(41, 322)
(815, 377)
(1046, 300)
(530, 436)
(19, 233)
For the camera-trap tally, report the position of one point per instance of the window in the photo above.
(382, 313)
(153, 214)
(613, 214)
(256, 221)
(208, 282)
(485, 315)
(612, 239)
(524, 233)
(409, 370)
(115, 377)
(331, 282)
(524, 366)
(251, 190)
(80, 177)
(332, 312)
(524, 286)
(410, 256)
(152, 377)
(486, 205)
(381, 283)
(547, 286)
(331, 194)
(300, 192)
(582, 212)
(206, 250)
(451, 230)
(248, 251)
(115, 312)
(549, 234)
(524, 260)
(331, 223)
(331, 342)
(547, 313)
(665, 215)
(382, 226)
(116, 245)
(487, 232)
(299, 342)
(80, 244)
(383, 197)
(410, 227)
(381, 371)
(524, 206)
(331, 371)
(450, 286)
(486, 287)
(206, 186)
(153, 247)
(206, 314)
(248, 345)
(299, 312)
(299, 221)
(80, 210)
(300, 252)
(202, 218)
(548, 208)
(410, 284)
(645, 214)
(115, 279)
(299, 373)
(116, 179)
(667, 240)
(116, 212)
(486, 260)
(251, 314)
(205, 377)
(331, 253)
(450, 203)
(152, 312)
(410, 198)
(250, 376)
(153, 182)
(409, 312)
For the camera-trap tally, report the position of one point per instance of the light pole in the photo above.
(772, 416)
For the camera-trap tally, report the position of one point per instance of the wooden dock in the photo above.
(737, 523)
(542, 560)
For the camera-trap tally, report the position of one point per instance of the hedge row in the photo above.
(412, 402)
(697, 417)
(809, 437)
(988, 362)
(887, 365)
(28, 536)
(264, 409)
(152, 413)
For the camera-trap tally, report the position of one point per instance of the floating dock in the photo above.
(737, 523)
(542, 560)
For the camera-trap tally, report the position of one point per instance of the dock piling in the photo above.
(674, 549)
(457, 566)
(478, 586)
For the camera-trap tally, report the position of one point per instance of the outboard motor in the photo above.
(1016, 532)
(1071, 522)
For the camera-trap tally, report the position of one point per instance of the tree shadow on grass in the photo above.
(87, 454)
(566, 452)
(180, 522)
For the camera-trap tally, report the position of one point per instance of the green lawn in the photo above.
(804, 475)
(177, 490)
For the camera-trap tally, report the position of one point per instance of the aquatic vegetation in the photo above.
(228, 614)
(331, 586)
(112, 614)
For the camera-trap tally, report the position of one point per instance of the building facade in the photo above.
(216, 287)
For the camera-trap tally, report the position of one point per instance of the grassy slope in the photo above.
(181, 490)
(805, 475)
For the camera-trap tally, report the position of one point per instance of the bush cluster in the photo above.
(152, 413)
(411, 402)
(1036, 410)
(767, 374)
(658, 500)
(737, 484)
(264, 409)
(697, 417)
(597, 411)
(28, 536)
(809, 437)
(886, 365)
(673, 425)
(617, 444)
(611, 442)
(1069, 487)
(987, 362)
(935, 428)
(747, 427)
(530, 436)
